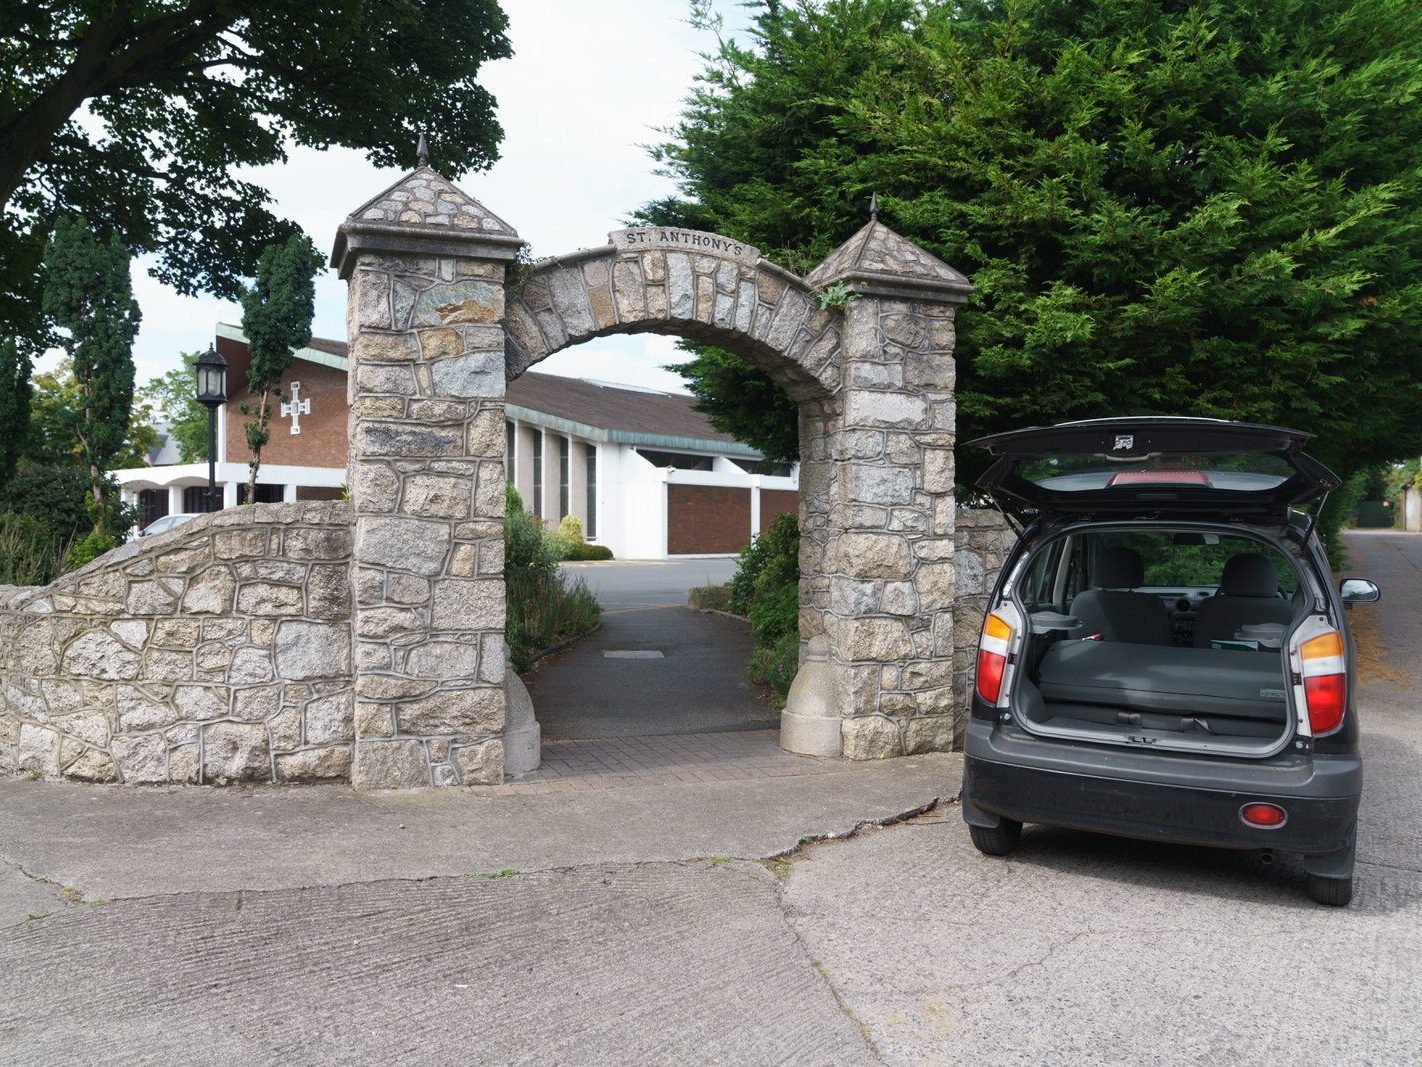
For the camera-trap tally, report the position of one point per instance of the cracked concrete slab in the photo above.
(23, 897)
(115, 842)
(1087, 949)
(648, 964)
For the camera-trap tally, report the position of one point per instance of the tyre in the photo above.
(997, 840)
(1335, 892)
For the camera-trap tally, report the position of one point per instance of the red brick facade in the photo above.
(775, 502)
(323, 438)
(706, 519)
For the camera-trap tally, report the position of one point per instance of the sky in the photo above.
(589, 83)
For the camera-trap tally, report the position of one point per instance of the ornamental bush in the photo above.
(766, 589)
(543, 608)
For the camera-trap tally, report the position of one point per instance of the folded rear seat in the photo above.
(1100, 676)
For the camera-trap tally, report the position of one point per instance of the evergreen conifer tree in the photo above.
(276, 317)
(88, 294)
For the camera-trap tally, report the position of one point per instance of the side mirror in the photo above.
(1359, 591)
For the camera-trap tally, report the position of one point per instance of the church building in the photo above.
(645, 474)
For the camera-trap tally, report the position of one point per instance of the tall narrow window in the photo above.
(564, 447)
(537, 474)
(510, 449)
(592, 491)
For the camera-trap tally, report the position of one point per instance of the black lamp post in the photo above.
(211, 373)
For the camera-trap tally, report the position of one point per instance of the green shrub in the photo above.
(544, 610)
(28, 552)
(769, 560)
(526, 547)
(89, 548)
(58, 496)
(776, 666)
(570, 531)
(766, 589)
(543, 607)
(584, 552)
(776, 614)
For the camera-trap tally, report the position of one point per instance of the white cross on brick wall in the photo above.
(296, 408)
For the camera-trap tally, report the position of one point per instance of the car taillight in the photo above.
(1267, 816)
(992, 657)
(1324, 681)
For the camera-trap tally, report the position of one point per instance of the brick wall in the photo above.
(775, 502)
(707, 518)
(322, 441)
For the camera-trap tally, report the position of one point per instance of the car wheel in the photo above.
(1335, 892)
(996, 840)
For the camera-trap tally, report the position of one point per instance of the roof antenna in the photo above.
(422, 151)
(873, 207)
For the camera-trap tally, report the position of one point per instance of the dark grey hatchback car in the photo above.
(1165, 655)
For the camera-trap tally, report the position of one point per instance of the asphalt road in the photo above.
(624, 583)
(319, 925)
(655, 667)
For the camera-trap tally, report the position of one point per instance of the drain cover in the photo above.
(632, 653)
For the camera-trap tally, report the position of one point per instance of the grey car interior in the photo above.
(1175, 689)
(1248, 595)
(1113, 610)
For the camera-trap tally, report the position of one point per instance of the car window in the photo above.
(1188, 559)
(1042, 575)
(1243, 471)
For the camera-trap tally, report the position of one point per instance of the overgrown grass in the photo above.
(28, 552)
(542, 611)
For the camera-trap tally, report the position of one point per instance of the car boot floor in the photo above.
(651, 671)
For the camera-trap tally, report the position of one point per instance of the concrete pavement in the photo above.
(322, 925)
(654, 925)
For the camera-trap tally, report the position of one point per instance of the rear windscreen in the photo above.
(1246, 472)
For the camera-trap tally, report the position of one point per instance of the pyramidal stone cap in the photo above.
(878, 262)
(427, 214)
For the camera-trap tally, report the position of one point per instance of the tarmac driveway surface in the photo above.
(668, 925)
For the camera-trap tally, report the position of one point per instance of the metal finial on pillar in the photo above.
(422, 151)
(873, 207)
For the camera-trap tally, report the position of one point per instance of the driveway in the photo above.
(655, 667)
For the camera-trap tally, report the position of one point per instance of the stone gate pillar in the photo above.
(877, 616)
(425, 264)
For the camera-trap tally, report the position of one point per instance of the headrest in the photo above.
(1249, 574)
(1119, 568)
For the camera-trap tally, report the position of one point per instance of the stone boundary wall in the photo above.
(218, 652)
(983, 539)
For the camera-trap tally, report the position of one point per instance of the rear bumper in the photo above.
(1010, 774)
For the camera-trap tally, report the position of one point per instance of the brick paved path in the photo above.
(618, 762)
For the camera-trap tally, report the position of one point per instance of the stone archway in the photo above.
(436, 331)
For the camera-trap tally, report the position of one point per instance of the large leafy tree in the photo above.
(276, 318)
(175, 407)
(55, 437)
(137, 115)
(88, 294)
(1210, 209)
